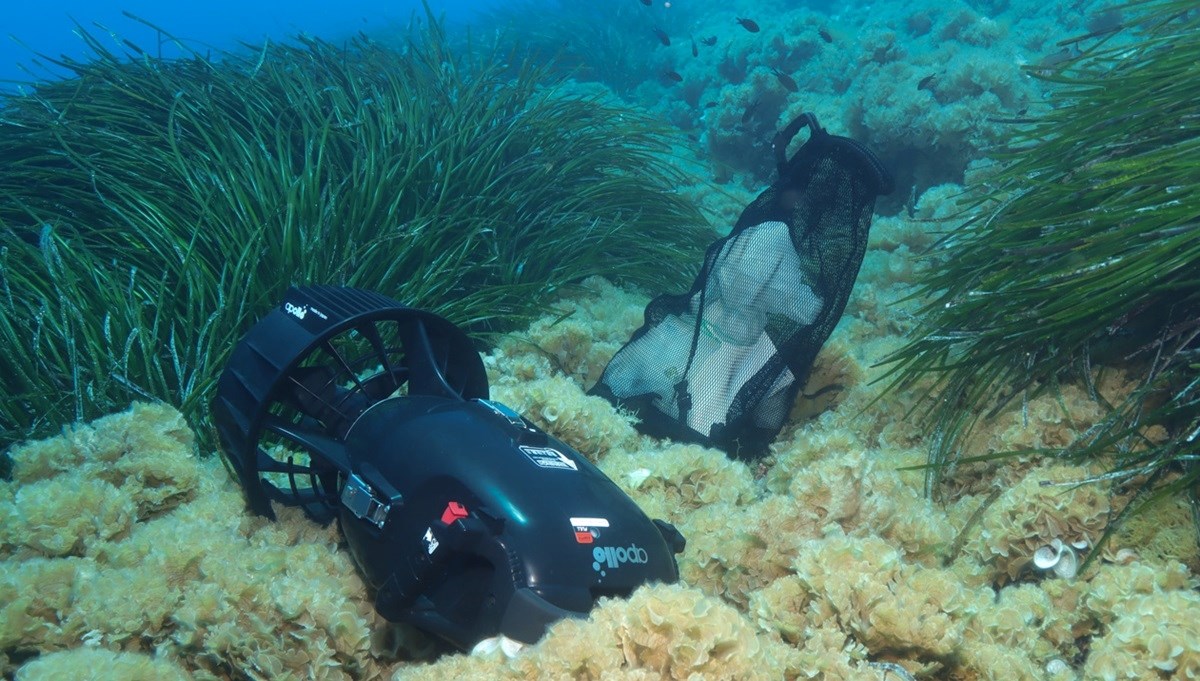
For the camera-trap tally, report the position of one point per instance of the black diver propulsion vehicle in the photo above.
(464, 519)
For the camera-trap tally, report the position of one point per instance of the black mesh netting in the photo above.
(721, 365)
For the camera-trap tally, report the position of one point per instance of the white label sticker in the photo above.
(590, 522)
(547, 457)
(587, 530)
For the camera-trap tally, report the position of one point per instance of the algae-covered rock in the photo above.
(98, 664)
(660, 632)
(120, 540)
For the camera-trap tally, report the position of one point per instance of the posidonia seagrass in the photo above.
(1081, 255)
(151, 209)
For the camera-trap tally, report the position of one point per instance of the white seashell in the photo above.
(1080, 545)
(1057, 666)
(1061, 558)
(486, 646)
(1068, 563)
(510, 646)
(504, 644)
(638, 476)
(1046, 558)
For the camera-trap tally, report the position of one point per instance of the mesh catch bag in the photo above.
(722, 364)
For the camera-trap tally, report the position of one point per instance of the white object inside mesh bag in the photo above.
(756, 274)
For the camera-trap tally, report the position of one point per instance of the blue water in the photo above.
(28, 29)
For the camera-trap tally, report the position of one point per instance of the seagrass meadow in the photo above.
(1079, 258)
(150, 208)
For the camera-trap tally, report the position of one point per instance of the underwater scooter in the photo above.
(464, 519)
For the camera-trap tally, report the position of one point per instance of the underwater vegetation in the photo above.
(926, 86)
(125, 554)
(150, 208)
(1077, 263)
(125, 551)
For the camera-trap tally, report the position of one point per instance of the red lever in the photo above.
(454, 511)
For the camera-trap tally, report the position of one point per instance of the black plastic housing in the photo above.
(531, 548)
(463, 518)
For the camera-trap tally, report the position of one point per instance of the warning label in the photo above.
(587, 530)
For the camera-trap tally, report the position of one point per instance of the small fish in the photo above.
(749, 112)
(709, 105)
(1051, 61)
(662, 36)
(926, 82)
(647, 2)
(709, 41)
(825, 34)
(695, 50)
(672, 76)
(748, 24)
(785, 80)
